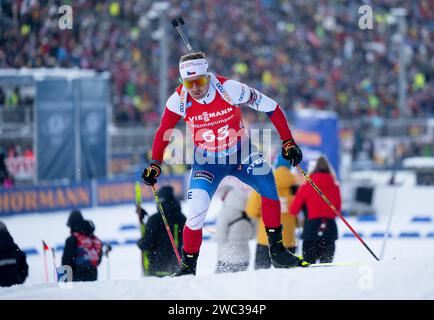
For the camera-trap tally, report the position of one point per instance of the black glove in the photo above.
(150, 174)
(291, 152)
(141, 212)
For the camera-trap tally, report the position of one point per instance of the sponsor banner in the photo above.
(111, 192)
(317, 133)
(101, 193)
(44, 199)
(121, 163)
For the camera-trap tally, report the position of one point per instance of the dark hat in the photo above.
(169, 202)
(75, 218)
(165, 193)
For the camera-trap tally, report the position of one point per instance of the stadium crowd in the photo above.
(302, 53)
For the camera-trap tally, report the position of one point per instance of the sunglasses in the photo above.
(199, 82)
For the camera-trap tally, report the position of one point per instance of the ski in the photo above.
(338, 264)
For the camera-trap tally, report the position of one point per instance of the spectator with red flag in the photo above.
(83, 250)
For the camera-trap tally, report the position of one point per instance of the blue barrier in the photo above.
(421, 219)
(351, 235)
(379, 235)
(367, 218)
(127, 227)
(30, 251)
(60, 247)
(111, 242)
(409, 235)
(205, 237)
(130, 241)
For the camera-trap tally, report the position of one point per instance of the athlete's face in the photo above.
(197, 87)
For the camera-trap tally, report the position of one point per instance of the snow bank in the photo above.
(399, 279)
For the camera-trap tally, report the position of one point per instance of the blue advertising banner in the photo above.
(317, 133)
(102, 192)
(93, 100)
(44, 199)
(55, 130)
(123, 191)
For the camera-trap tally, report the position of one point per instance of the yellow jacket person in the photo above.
(284, 181)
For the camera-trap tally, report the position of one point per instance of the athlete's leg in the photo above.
(204, 180)
(257, 173)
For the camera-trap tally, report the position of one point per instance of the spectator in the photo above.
(318, 44)
(234, 230)
(159, 255)
(2, 97)
(286, 183)
(83, 250)
(320, 230)
(13, 265)
(143, 218)
(5, 177)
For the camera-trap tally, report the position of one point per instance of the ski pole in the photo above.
(108, 248)
(54, 263)
(44, 249)
(160, 208)
(336, 211)
(389, 223)
(177, 22)
(138, 194)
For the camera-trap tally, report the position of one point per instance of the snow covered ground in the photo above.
(406, 271)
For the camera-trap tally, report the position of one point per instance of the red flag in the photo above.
(45, 245)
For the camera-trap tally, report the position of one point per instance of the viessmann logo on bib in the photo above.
(207, 116)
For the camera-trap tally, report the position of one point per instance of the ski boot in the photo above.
(188, 264)
(280, 256)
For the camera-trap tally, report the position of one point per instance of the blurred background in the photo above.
(79, 107)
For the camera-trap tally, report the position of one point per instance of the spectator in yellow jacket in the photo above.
(286, 183)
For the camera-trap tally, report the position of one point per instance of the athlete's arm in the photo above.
(170, 118)
(242, 94)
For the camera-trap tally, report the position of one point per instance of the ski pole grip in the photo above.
(177, 21)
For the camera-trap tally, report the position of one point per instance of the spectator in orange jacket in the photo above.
(320, 230)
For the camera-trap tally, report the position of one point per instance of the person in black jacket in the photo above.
(160, 258)
(4, 173)
(83, 250)
(13, 265)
